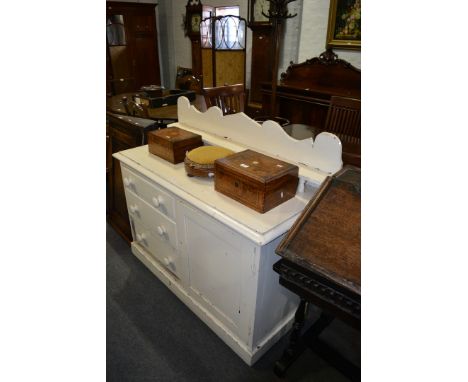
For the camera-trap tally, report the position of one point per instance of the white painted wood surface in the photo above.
(220, 273)
(322, 155)
(260, 228)
(213, 252)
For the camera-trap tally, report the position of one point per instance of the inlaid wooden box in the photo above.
(256, 180)
(172, 143)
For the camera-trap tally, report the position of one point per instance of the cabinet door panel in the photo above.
(214, 255)
(121, 62)
(146, 61)
(143, 23)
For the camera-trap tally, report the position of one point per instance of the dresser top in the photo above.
(200, 192)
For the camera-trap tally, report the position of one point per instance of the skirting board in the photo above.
(241, 349)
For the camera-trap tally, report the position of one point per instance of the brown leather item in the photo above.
(256, 180)
(172, 143)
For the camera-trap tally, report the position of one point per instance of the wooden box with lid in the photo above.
(256, 180)
(172, 143)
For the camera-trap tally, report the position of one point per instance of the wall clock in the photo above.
(195, 23)
(193, 16)
(256, 8)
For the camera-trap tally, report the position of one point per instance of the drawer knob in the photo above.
(128, 182)
(140, 237)
(161, 230)
(133, 208)
(157, 200)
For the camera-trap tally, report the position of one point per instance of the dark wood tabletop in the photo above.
(321, 263)
(114, 105)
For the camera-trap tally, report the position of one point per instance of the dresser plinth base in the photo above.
(249, 356)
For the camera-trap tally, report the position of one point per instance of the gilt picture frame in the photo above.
(344, 24)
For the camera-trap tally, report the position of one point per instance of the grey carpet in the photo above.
(153, 336)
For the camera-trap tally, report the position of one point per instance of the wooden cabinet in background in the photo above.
(303, 95)
(123, 133)
(132, 47)
(261, 59)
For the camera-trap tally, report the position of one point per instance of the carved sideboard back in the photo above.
(305, 89)
(326, 73)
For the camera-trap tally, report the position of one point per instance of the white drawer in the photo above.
(158, 224)
(149, 192)
(156, 247)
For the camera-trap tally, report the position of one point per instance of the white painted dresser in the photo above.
(214, 253)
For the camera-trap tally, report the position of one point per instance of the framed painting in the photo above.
(344, 24)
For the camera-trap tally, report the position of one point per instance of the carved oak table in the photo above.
(321, 263)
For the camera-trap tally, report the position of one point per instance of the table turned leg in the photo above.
(296, 346)
(298, 342)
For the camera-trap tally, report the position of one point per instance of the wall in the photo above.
(290, 42)
(177, 49)
(313, 35)
(166, 43)
(304, 35)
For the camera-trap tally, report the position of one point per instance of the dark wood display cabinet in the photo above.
(132, 47)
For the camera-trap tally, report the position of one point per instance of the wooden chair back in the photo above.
(344, 119)
(229, 98)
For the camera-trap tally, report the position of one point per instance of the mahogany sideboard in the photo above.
(305, 89)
